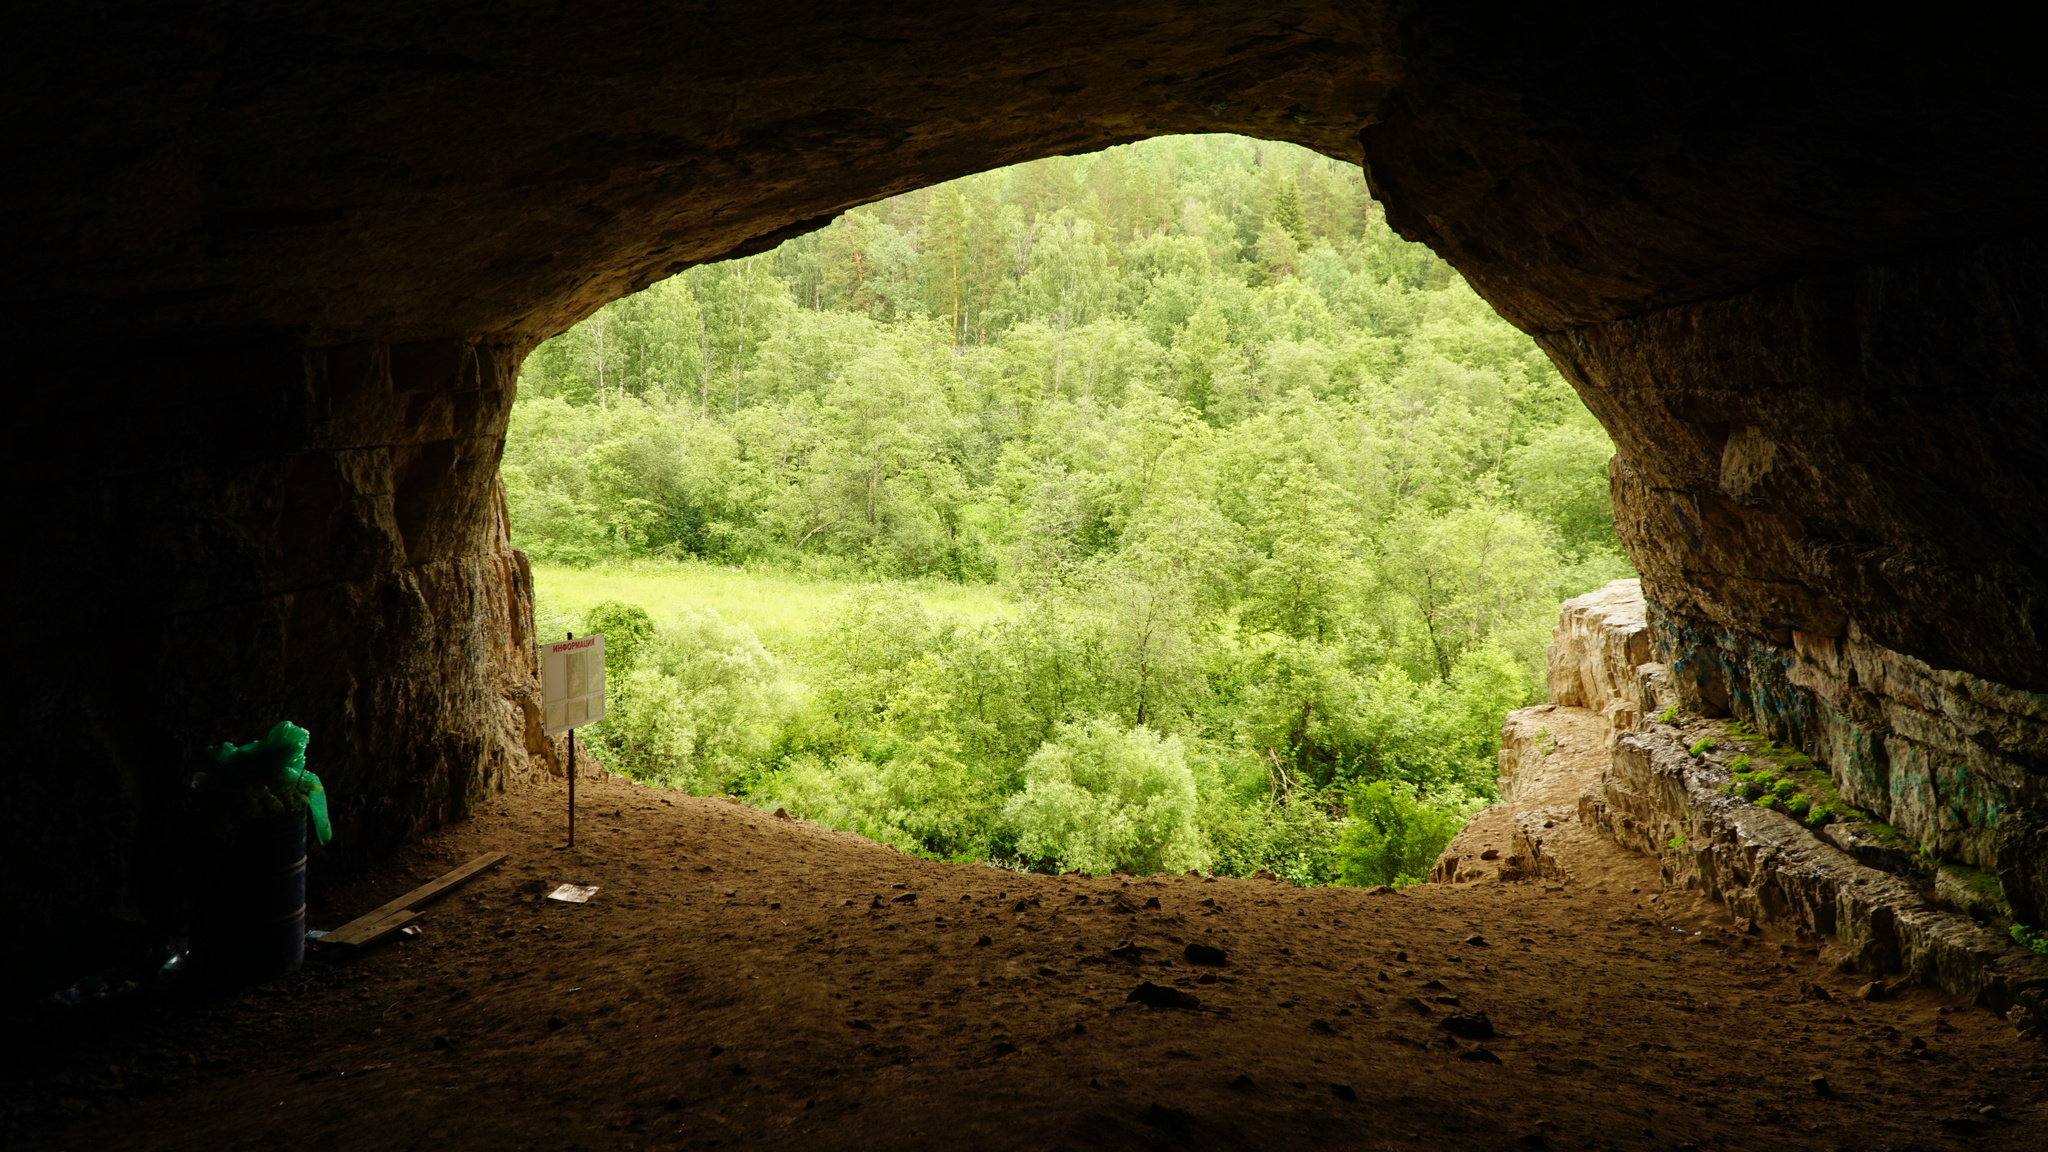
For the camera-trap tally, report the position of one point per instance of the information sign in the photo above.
(572, 683)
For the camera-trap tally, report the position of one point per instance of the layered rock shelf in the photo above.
(1779, 811)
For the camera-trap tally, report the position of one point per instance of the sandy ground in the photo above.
(743, 981)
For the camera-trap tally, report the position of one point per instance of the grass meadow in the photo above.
(783, 609)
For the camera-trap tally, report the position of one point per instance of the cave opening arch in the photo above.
(286, 264)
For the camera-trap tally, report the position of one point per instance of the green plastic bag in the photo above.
(278, 763)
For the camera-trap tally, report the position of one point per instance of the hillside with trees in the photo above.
(1279, 510)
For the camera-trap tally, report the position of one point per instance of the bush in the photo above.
(699, 705)
(1100, 797)
(926, 804)
(1331, 723)
(870, 650)
(1296, 836)
(625, 627)
(1396, 834)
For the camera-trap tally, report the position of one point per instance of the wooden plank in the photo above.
(371, 926)
(368, 934)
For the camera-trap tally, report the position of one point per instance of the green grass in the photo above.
(2031, 939)
(1984, 884)
(1787, 756)
(1785, 781)
(784, 610)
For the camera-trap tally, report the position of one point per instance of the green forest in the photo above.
(1273, 514)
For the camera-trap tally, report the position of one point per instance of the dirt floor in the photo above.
(744, 981)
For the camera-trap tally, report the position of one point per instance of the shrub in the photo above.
(625, 627)
(1702, 747)
(1294, 836)
(920, 803)
(1396, 833)
(1100, 797)
(699, 705)
(870, 650)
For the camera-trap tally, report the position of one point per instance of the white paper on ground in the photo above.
(574, 893)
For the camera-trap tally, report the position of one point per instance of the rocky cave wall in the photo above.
(243, 535)
(1838, 529)
(1788, 845)
(271, 269)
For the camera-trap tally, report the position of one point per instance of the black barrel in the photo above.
(252, 910)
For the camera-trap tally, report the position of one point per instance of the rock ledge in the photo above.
(1660, 785)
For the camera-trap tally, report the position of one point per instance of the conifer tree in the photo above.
(1279, 253)
(845, 264)
(946, 261)
(987, 220)
(1283, 210)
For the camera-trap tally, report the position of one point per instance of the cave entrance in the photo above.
(1152, 509)
(293, 265)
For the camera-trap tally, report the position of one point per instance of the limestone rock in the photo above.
(1954, 761)
(2021, 846)
(1865, 487)
(1600, 639)
(1659, 800)
(1643, 790)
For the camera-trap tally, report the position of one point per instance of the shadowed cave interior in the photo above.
(273, 272)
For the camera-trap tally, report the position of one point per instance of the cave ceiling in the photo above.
(421, 170)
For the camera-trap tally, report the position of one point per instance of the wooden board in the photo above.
(383, 921)
(369, 934)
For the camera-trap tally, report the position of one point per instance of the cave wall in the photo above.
(271, 269)
(1861, 445)
(1831, 487)
(1618, 756)
(222, 537)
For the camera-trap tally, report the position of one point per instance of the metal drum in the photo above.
(252, 924)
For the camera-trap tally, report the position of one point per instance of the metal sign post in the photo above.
(572, 695)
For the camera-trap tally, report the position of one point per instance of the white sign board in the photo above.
(572, 683)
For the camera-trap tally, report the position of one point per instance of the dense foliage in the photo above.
(1284, 509)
